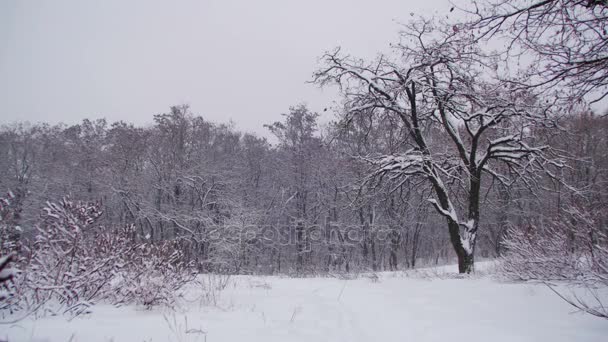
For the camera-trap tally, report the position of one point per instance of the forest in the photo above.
(321, 199)
(442, 152)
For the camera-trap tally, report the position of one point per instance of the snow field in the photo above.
(396, 307)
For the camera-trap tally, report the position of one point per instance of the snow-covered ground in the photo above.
(396, 307)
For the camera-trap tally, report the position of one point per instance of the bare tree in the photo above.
(566, 39)
(440, 84)
(297, 141)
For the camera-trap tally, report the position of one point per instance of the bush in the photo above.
(152, 275)
(572, 248)
(74, 262)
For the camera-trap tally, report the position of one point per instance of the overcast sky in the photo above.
(243, 60)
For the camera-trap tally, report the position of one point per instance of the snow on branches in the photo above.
(75, 261)
(565, 40)
(151, 275)
(572, 247)
(458, 113)
(9, 245)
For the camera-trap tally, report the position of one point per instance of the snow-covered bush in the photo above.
(63, 268)
(6, 276)
(572, 248)
(9, 232)
(74, 261)
(152, 274)
(9, 246)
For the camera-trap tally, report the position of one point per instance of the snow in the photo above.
(396, 307)
(4, 294)
(468, 236)
(470, 224)
(466, 243)
(4, 259)
(401, 162)
(8, 273)
(449, 213)
(502, 140)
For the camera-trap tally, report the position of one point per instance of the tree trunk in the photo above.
(466, 262)
(465, 258)
(395, 241)
(299, 247)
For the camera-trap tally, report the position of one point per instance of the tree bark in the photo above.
(466, 262)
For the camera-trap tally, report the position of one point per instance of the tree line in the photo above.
(441, 150)
(312, 202)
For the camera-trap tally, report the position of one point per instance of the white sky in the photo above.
(245, 60)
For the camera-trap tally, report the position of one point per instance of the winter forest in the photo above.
(470, 160)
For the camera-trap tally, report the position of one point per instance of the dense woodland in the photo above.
(439, 152)
(240, 204)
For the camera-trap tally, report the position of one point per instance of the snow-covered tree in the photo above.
(298, 147)
(564, 41)
(459, 118)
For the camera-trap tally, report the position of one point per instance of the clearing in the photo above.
(397, 306)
